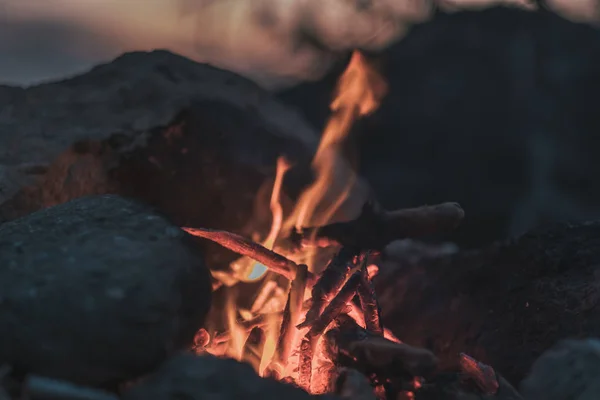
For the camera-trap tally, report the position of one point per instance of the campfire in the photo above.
(315, 315)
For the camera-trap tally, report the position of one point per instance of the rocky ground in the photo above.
(493, 110)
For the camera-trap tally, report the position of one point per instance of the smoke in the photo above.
(279, 42)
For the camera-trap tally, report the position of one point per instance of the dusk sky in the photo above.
(46, 39)
(43, 40)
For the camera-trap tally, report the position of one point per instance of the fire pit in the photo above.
(314, 312)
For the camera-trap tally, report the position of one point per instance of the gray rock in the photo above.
(192, 377)
(97, 291)
(194, 141)
(567, 371)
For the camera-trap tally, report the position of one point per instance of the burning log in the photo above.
(330, 283)
(305, 363)
(336, 306)
(483, 375)
(291, 314)
(355, 347)
(375, 228)
(368, 300)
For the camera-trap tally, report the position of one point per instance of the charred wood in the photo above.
(375, 228)
(330, 283)
(337, 306)
(355, 347)
(483, 375)
(368, 300)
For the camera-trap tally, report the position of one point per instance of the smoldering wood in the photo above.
(330, 283)
(42, 388)
(483, 375)
(375, 228)
(540, 288)
(98, 291)
(337, 305)
(355, 347)
(368, 300)
(305, 362)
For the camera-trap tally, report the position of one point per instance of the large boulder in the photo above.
(503, 305)
(493, 109)
(197, 142)
(98, 291)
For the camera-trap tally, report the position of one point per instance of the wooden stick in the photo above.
(246, 247)
(375, 227)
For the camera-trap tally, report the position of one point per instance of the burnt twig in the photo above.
(375, 228)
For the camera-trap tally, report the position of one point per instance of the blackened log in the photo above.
(375, 228)
(354, 347)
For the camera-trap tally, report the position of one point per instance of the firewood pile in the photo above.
(344, 289)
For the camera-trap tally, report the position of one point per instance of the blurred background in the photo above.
(494, 108)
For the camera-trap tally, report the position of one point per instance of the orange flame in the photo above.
(359, 92)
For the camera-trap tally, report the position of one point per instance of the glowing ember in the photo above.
(266, 335)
